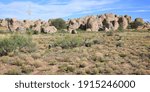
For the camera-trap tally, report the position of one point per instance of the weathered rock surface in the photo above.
(18, 25)
(49, 29)
(105, 22)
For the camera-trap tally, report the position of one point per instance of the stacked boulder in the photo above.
(105, 22)
(21, 26)
(100, 22)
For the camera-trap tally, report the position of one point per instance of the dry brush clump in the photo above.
(69, 42)
(14, 43)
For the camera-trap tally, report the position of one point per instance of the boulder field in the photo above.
(104, 22)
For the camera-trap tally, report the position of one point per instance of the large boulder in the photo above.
(38, 23)
(93, 23)
(28, 24)
(15, 25)
(115, 25)
(73, 24)
(37, 29)
(102, 17)
(49, 29)
(107, 25)
(123, 22)
(145, 26)
(3, 23)
(128, 18)
(110, 17)
(100, 24)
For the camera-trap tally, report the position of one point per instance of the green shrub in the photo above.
(14, 71)
(109, 33)
(59, 23)
(17, 63)
(67, 68)
(120, 29)
(27, 69)
(69, 42)
(15, 42)
(97, 41)
(137, 22)
(31, 32)
(88, 43)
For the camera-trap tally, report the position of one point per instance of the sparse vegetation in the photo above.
(14, 71)
(69, 42)
(67, 68)
(31, 32)
(119, 44)
(83, 53)
(27, 69)
(15, 42)
(109, 33)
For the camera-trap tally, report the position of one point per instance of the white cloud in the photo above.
(138, 11)
(53, 9)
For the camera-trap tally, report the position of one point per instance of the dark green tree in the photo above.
(59, 23)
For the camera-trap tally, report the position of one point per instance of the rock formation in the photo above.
(100, 22)
(104, 22)
(19, 25)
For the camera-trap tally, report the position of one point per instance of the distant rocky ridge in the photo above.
(105, 22)
(18, 25)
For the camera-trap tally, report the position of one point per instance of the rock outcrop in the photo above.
(104, 22)
(100, 22)
(19, 25)
(49, 29)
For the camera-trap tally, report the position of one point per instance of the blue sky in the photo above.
(46, 9)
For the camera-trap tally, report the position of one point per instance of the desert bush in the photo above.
(80, 30)
(118, 37)
(52, 63)
(82, 65)
(59, 23)
(27, 69)
(31, 32)
(17, 63)
(67, 68)
(88, 43)
(3, 32)
(14, 71)
(109, 33)
(119, 44)
(122, 55)
(97, 41)
(120, 29)
(98, 59)
(69, 42)
(15, 42)
(5, 59)
(93, 71)
(137, 22)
